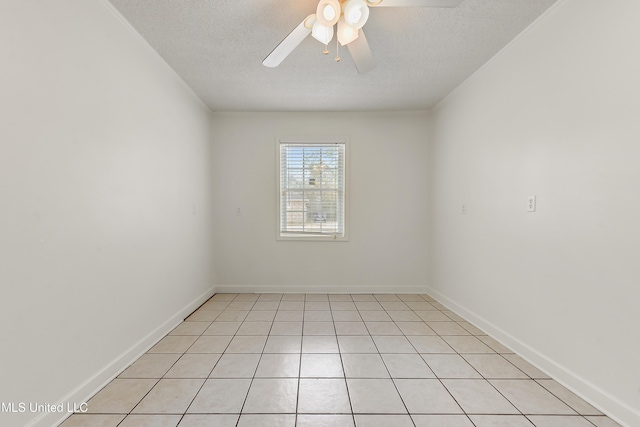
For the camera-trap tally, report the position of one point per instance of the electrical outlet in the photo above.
(463, 211)
(531, 204)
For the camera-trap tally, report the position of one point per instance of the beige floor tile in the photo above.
(450, 314)
(478, 397)
(442, 421)
(203, 316)
(420, 306)
(363, 297)
(448, 328)
(364, 366)
(407, 366)
(222, 328)
(92, 420)
(236, 366)
(351, 328)
(260, 316)
(568, 397)
(383, 328)
(430, 344)
(173, 344)
(278, 366)
(368, 305)
(267, 420)
(151, 421)
(283, 344)
(270, 297)
(531, 398)
(190, 328)
(450, 366)
(319, 344)
(266, 306)
(526, 367)
(340, 297)
(240, 306)
(318, 328)
(500, 421)
(316, 305)
(316, 297)
(313, 420)
(291, 306)
(426, 397)
(321, 366)
(602, 421)
(403, 316)
(246, 297)
(323, 395)
(289, 316)
(467, 344)
(293, 297)
(432, 316)
(386, 297)
(218, 420)
(559, 421)
(383, 420)
(346, 316)
(409, 297)
(472, 328)
(494, 366)
(375, 316)
(356, 344)
(272, 396)
(220, 396)
(375, 396)
(169, 396)
(342, 305)
(120, 396)
(318, 316)
(393, 344)
(193, 366)
(254, 328)
(415, 328)
(394, 306)
(232, 316)
(215, 305)
(150, 365)
(286, 328)
(494, 344)
(247, 344)
(210, 344)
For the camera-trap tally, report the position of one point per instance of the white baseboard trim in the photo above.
(86, 390)
(322, 289)
(604, 401)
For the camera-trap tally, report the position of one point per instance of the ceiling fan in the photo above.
(349, 16)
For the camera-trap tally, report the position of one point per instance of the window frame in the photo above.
(313, 237)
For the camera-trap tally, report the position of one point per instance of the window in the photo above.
(311, 201)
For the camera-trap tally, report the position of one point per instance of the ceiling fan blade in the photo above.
(287, 45)
(361, 53)
(419, 3)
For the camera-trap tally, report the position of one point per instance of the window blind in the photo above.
(312, 189)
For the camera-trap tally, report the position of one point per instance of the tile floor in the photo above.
(285, 360)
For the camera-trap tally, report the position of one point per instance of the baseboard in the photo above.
(86, 390)
(608, 404)
(320, 289)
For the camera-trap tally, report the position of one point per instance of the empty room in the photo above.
(320, 213)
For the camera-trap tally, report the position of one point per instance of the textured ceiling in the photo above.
(422, 54)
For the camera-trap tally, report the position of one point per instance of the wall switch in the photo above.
(237, 211)
(463, 211)
(531, 204)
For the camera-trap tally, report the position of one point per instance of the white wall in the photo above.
(386, 195)
(554, 115)
(103, 155)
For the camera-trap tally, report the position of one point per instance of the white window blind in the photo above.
(312, 189)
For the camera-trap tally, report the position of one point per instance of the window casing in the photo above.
(312, 190)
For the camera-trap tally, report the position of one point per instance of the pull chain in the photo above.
(337, 51)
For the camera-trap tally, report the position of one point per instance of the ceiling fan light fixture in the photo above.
(328, 12)
(322, 33)
(356, 13)
(346, 33)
